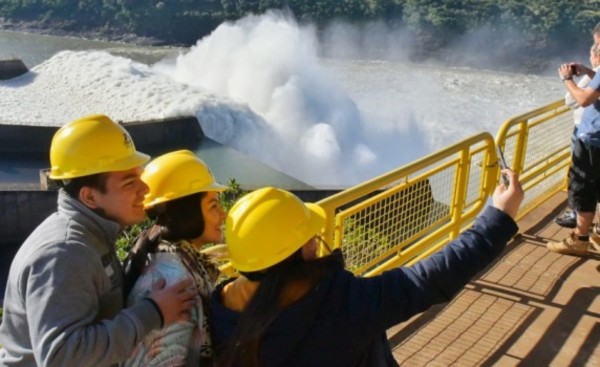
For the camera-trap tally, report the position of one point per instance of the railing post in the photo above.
(460, 189)
(521, 148)
(329, 229)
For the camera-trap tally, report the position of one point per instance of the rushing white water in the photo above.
(259, 86)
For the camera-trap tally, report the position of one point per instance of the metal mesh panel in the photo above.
(550, 184)
(545, 140)
(373, 231)
(474, 183)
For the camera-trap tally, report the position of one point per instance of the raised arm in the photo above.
(583, 96)
(401, 293)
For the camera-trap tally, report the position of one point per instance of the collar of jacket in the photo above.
(101, 227)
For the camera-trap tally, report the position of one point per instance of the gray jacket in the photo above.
(64, 299)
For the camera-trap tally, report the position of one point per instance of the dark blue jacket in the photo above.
(342, 321)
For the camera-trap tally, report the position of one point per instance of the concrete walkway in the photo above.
(530, 308)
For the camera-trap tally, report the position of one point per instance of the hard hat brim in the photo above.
(137, 159)
(216, 187)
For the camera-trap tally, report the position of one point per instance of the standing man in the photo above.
(584, 173)
(568, 218)
(64, 296)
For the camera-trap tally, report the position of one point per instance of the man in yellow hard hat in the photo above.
(64, 296)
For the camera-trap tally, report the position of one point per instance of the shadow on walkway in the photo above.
(531, 307)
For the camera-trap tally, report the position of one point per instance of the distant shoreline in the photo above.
(106, 35)
(536, 64)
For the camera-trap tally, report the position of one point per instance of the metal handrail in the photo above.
(411, 212)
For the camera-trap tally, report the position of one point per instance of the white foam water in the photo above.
(259, 85)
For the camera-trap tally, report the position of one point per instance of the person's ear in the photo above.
(87, 196)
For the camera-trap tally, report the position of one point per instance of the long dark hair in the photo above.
(180, 219)
(280, 286)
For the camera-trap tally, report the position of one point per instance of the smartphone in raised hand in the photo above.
(574, 70)
(503, 165)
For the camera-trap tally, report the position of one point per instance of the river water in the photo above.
(259, 85)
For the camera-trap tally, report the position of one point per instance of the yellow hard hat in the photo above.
(175, 175)
(90, 145)
(267, 226)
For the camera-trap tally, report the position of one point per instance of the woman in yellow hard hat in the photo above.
(183, 199)
(289, 308)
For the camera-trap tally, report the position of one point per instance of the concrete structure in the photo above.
(24, 151)
(20, 213)
(171, 133)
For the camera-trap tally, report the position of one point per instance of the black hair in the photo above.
(73, 186)
(280, 286)
(180, 219)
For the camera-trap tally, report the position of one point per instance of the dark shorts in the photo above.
(584, 177)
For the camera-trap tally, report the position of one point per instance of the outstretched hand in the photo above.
(174, 301)
(508, 199)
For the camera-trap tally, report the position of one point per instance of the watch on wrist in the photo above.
(565, 78)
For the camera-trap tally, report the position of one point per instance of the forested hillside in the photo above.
(541, 26)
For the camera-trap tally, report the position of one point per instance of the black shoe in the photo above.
(567, 219)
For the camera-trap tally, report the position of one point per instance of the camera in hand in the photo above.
(573, 69)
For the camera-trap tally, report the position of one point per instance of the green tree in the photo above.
(541, 27)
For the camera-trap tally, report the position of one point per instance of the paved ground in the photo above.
(530, 308)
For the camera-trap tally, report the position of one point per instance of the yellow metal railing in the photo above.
(537, 146)
(409, 213)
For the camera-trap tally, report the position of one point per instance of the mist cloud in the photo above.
(312, 126)
(505, 47)
(267, 86)
(314, 131)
